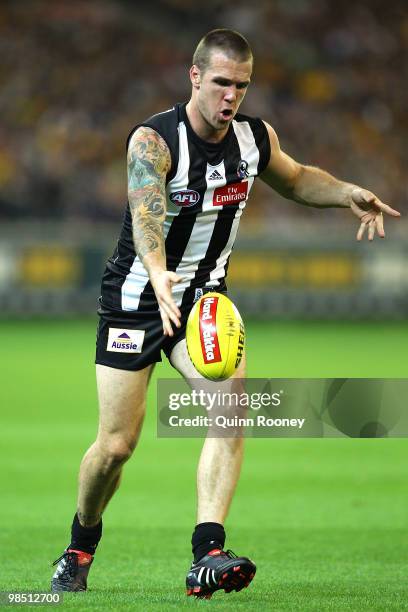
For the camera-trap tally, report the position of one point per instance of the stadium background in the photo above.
(325, 519)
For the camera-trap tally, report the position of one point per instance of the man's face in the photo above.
(222, 89)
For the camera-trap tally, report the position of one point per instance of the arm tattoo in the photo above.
(148, 163)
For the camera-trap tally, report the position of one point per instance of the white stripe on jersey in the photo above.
(247, 146)
(137, 278)
(218, 272)
(250, 153)
(201, 235)
(180, 180)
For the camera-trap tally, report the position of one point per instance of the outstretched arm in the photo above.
(315, 187)
(148, 162)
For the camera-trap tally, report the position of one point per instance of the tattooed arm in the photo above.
(148, 163)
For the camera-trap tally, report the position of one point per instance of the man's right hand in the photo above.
(162, 283)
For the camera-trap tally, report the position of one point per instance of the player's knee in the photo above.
(115, 452)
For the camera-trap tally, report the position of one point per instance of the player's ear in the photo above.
(195, 76)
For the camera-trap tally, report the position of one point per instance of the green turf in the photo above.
(325, 520)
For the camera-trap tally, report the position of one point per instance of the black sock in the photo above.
(206, 537)
(85, 538)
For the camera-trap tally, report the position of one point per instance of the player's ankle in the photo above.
(207, 537)
(85, 539)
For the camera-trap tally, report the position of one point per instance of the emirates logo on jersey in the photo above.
(230, 194)
(185, 197)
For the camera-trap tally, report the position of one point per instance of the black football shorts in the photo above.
(134, 340)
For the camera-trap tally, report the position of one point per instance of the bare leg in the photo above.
(121, 411)
(221, 458)
(217, 477)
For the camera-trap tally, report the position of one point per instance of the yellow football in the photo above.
(215, 336)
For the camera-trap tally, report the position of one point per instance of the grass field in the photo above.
(325, 520)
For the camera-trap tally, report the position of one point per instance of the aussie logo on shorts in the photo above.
(125, 340)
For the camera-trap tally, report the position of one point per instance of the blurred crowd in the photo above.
(76, 75)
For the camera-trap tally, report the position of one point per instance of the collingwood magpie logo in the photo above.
(242, 170)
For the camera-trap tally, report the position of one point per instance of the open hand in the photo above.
(369, 209)
(162, 283)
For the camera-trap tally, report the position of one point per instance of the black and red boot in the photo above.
(219, 570)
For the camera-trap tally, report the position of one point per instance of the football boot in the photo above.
(72, 571)
(219, 570)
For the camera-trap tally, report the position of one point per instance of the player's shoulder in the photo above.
(259, 134)
(256, 124)
(165, 119)
(241, 118)
(164, 123)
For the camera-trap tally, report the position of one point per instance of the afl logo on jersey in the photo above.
(185, 197)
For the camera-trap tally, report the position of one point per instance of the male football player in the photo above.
(190, 171)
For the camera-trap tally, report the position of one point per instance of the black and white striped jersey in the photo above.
(207, 189)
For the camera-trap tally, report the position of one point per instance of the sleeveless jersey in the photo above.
(206, 190)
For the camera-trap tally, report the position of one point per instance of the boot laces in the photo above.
(71, 565)
(230, 554)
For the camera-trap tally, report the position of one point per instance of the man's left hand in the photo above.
(369, 209)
